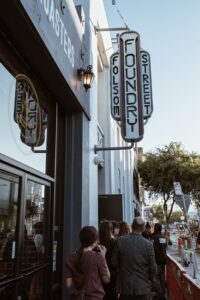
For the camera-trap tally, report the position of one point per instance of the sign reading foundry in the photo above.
(54, 21)
(130, 87)
(115, 86)
(146, 84)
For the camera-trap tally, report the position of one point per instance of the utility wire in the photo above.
(114, 3)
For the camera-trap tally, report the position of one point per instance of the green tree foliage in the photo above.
(162, 167)
(158, 212)
(175, 216)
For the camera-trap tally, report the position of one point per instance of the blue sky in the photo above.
(170, 32)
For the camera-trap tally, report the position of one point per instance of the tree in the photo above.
(162, 167)
(158, 212)
(175, 216)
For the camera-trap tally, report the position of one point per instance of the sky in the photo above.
(170, 31)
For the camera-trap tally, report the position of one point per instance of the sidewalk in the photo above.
(175, 254)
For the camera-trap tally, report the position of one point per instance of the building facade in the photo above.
(51, 180)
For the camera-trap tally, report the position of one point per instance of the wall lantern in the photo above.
(86, 76)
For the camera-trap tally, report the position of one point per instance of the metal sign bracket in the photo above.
(96, 148)
(97, 29)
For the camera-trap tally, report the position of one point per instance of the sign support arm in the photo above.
(96, 148)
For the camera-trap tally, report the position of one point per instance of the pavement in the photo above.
(193, 268)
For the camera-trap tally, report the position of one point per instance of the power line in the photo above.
(114, 3)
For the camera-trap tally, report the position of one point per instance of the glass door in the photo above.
(25, 231)
(9, 204)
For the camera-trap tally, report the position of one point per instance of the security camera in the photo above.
(98, 160)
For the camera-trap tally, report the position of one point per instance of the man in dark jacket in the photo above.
(147, 231)
(160, 244)
(134, 258)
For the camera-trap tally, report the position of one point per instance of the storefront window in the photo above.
(23, 121)
(35, 234)
(30, 287)
(9, 188)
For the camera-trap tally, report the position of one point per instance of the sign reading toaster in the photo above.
(130, 87)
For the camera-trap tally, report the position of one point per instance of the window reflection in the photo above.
(30, 288)
(27, 130)
(9, 188)
(35, 224)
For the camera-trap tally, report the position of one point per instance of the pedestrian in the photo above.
(147, 231)
(198, 240)
(87, 267)
(115, 225)
(160, 245)
(107, 240)
(39, 241)
(134, 257)
(124, 228)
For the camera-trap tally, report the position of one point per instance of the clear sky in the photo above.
(170, 31)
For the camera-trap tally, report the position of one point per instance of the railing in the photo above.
(180, 286)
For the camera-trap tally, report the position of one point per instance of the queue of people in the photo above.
(118, 262)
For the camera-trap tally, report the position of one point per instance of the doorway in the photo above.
(25, 235)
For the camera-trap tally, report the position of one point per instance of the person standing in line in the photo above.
(134, 258)
(107, 240)
(124, 228)
(160, 245)
(147, 231)
(198, 240)
(115, 225)
(86, 268)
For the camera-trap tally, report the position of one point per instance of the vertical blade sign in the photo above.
(147, 97)
(115, 86)
(130, 87)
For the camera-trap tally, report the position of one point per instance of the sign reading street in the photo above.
(130, 87)
(147, 98)
(115, 85)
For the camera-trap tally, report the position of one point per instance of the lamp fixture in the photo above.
(86, 76)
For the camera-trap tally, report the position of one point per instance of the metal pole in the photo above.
(96, 148)
(185, 208)
(110, 29)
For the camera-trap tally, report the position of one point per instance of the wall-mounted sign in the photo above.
(183, 201)
(28, 114)
(130, 87)
(177, 188)
(146, 84)
(115, 86)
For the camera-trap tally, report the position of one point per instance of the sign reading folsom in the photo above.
(130, 87)
(115, 86)
(147, 98)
